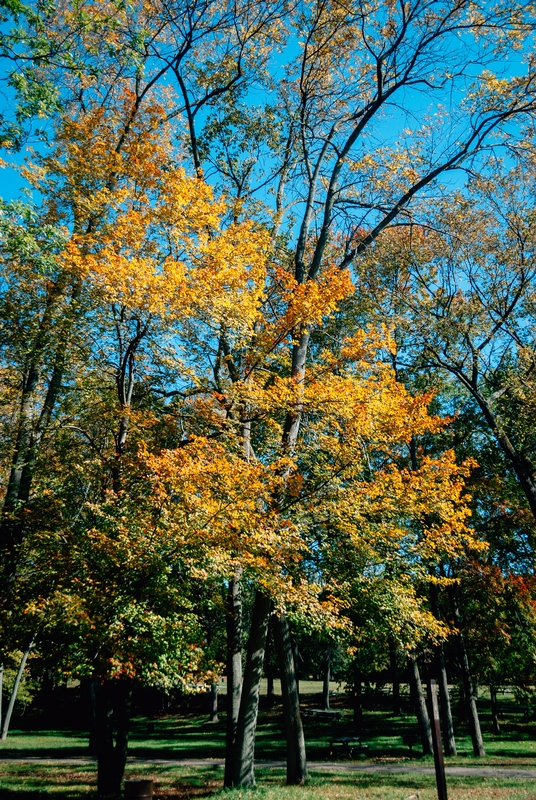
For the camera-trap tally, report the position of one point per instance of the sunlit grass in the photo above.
(47, 782)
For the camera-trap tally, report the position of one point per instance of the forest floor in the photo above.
(183, 752)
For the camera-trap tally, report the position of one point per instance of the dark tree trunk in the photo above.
(93, 688)
(325, 684)
(31, 427)
(469, 691)
(113, 719)
(357, 697)
(244, 748)
(469, 688)
(522, 465)
(296, 654)
(494, 708)
(420, 707)
(213, 701)
(296, 756)
(268, 668)
(395, 677)
(234, 671)
(445, 709)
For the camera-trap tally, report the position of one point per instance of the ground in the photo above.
(189, 736)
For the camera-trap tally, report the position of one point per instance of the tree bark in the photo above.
(494, 708)
(445, 708)
(470, 699)
(420, 707)
(447, 722)
(296, 755)
(268, 668)
(296, 654)
(395, 678)
(31, 426)
(11, 706)
(113, 721)
(357, 697)
(244, 749)
(325, 683)
(213, 700)
(93, 688)
(469, 688)
(234, 670)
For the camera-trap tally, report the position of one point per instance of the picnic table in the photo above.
(347, 745)
(321, 713)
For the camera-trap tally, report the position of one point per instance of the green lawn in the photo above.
(191, 735)
(31, 782)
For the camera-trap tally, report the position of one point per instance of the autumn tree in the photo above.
(329, 177)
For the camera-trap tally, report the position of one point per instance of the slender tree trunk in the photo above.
(420, 707)
(11, 706)
(470, 700)
(494, 708)
(469, 688)
(244, 749)
(113, 721)
(395, 677)
(93, 735)
(522, 465)
(327, 677)
(268, 668)
(296, 654)
(31, 426)
(213, 700)
(296, 755)
(234, 671)
(357, 697)
(445, 709)
(444, 706)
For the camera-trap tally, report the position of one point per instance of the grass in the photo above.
(172, 783)
(190, 735)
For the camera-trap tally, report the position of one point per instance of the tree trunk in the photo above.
(296, 654)
(445, 709)
(1, 692)
(213, 700)
(296, 755)
(357, 697)
(494, 708)
(113, 720)
(395, 678)
(93, 689)
(268, 669)
(521, 464)
(244, 749)
(32, 426)
(325, 684)
(469, 688)
(420, 707)
(11, 706)
(234, 670)
(470, 700)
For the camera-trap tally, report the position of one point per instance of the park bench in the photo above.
(529, 712)
(321, 713)
(347, 746)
